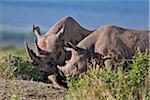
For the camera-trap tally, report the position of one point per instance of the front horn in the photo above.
(30, 52)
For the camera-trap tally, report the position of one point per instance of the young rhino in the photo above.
(111, 42)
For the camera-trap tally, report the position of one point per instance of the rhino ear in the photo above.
(69, 45)
(36, 31)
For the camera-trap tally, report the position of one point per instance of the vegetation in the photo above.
(125, 82)
(17, 67)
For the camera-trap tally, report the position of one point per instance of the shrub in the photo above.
(125, 82)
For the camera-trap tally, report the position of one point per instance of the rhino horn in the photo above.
(30, 52)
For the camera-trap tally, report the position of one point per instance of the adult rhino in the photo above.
(110, 42)
(50, 46)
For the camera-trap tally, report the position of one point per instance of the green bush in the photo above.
(14, 67)
(123, 83)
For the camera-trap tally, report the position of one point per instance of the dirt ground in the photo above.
(29, 90)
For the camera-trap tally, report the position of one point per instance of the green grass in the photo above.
(125, 83)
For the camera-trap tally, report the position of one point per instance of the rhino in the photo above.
(110, 42)
(50, 46)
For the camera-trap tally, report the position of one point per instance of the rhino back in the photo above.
(73, 31)
(121, 41)
(135, 39)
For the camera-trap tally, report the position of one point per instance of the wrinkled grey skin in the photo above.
(111, 42)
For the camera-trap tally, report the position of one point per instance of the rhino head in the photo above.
(42, 62)
(45, 66)
(81, 60)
